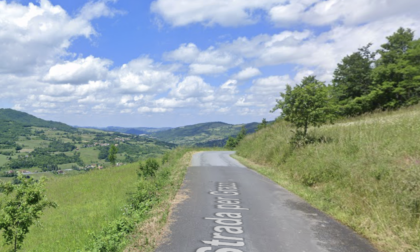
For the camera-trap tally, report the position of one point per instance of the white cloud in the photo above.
(185, 53)
(79, 71)
(192, 87)
(355, 12)
(143, 76)
(35, 36)
(211, 12)
(247, 73)
(281, 12)
(198, 69)
(152, 110)
(210, 61)
(270, 86)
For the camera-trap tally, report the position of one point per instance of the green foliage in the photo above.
(165, 158)
(42, 158)
(23, 204)
(307, 104)
(231, 143)
(113, 150)
(363, 84)
(60, 146)
(363, 171)
(353, 79)
(150, 192)
(262, 125)
(148, 168)
(391, 90)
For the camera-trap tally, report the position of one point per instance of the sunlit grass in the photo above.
(86, 202)
(367, 175)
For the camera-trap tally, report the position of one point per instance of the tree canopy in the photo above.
(306, 104)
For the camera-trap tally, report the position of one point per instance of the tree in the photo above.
(149, 167)
(353, 79)
(241, 135)
(113, 150)
(389, 76)
(22, 205)
(262, 125)
(231, 143)
(307, 104)
(409, 67)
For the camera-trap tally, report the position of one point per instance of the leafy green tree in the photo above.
(148, 168)
(113, 150)
(262, 125)
(353, 79)
(307, 104)
(393, 89)
(22, 205)
(409, 67)
(241, 135)
(231, 143)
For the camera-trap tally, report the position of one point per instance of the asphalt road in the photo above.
(231, 208)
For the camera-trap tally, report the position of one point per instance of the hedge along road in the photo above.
(231, 208)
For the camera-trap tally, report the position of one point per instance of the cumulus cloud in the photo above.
(79, 71)
(247, 73)
(35, 36)
(211, 12)
(192, 87)
(199, 69)
(270, 86)
(208, 62)
(281, 12)
(143, 76)
(317, 12)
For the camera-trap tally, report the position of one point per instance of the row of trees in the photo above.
(386, 79)
(363, 82)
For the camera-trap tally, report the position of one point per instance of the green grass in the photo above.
(32, 144)
(89, 155)
(3, 159)
(367, 174)
(86, 203)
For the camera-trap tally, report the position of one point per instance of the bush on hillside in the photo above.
(148, 168)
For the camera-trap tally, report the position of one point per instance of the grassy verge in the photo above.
(149, 232)
(85, 203)
(366, 174)
(108, 210)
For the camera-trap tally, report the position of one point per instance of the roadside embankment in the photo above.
(365, 172)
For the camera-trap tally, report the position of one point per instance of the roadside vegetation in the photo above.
(365, 169)
(108, 210)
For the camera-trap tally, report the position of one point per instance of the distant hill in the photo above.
(211, 134)
(204, 134)
(133, 131)
(10, 115)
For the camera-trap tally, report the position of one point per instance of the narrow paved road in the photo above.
(231, 208)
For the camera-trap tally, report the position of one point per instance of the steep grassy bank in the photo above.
(107, 210)
(366, 174)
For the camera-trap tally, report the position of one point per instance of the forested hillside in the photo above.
(33, 144)
(25, 119)
(204, 134)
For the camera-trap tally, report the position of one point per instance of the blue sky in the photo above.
(172, 63)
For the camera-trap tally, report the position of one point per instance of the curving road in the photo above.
(231, 208)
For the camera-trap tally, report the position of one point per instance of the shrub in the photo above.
(148, 168)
